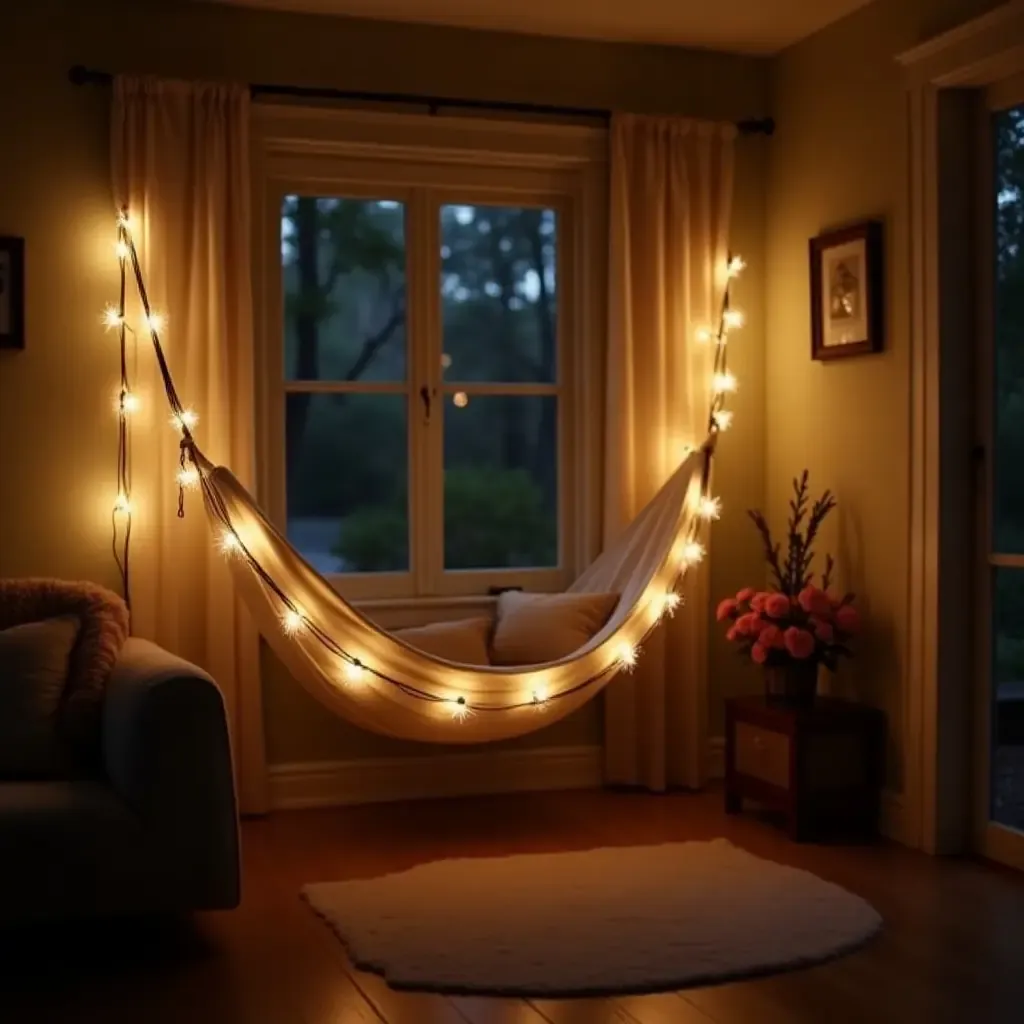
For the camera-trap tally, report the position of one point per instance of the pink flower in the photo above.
(745, 594)
(777, 606)
(733, 634)
(759, 653)
(726, 609)
(748, 625)
(758, 600)
(814, 601)
(848, 618)
(771, 636)
(799, 642)
(823, 630)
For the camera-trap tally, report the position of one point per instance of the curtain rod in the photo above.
(80, 75)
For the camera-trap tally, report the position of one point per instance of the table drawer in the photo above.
(762, 754)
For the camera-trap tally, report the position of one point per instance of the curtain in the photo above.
(671, 193)
(180, 156)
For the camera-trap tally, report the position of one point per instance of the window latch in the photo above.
(426, 394)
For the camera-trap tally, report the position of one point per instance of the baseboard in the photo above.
(381, 780)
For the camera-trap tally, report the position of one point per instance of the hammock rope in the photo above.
(224, 498)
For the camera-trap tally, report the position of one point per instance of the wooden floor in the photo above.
(952, 949)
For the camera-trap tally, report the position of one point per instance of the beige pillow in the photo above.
(535, 628)
(33, 673)
(463, 641)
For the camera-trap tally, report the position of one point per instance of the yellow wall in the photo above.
(840, 155)
(56, 428)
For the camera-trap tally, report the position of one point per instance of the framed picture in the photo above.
(12, 292)
(846, 292)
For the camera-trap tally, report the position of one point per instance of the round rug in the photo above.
(612, 920)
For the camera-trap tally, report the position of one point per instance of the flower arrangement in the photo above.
(796, 623)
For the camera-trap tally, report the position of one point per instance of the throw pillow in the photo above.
(463, 641)
(536, 628)
(34, 659)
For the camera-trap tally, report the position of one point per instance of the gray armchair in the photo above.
(157, 833)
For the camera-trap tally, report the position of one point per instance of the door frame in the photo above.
(989, 838)
(941, 662)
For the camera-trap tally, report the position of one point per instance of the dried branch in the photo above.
(794, 573)
(771, 551)
(826, 576)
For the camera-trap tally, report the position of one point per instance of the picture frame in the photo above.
(12, 293)
(847, 292)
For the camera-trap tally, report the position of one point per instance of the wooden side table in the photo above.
(821, 766)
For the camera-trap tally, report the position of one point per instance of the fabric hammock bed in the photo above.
(381, 683)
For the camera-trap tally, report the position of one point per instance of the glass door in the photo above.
(1000, 781)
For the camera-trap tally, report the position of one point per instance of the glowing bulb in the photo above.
(709, 508)
(124, 220)
(693, 552)
(670, 601)
(626, 656)
(126, 403)
(188, 477)
(156, 321)
(736, 266)
(112, 318)
(353, 674)
(460, 399)
(460, 709)
(733, 319)
(539, 697)
(121, 248)
(704, 335)
(122, 504)
(187, 418)
(229, 542)
(292, 621)
(723, 382)
(723, 419)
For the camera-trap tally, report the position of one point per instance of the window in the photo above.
(1005, 403)
(429, 417)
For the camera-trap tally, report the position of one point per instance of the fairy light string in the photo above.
(192, 472)
(126, 403)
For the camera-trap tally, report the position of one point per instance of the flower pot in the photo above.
(794, 684)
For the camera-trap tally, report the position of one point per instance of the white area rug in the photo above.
(631, 919)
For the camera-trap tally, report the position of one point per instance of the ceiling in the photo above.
(738, 26)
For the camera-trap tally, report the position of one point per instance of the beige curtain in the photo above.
(671, 190)
(181, 165)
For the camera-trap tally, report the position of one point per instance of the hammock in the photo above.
(383, 684)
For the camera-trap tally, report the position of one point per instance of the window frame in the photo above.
(428, 162)
(991, 836)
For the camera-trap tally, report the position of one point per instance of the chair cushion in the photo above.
(537, 628)
(34, 661)
(463, 641)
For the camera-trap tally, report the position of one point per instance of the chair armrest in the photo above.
(167, 754)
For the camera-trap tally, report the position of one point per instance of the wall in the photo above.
(56, 427)
(840, 155)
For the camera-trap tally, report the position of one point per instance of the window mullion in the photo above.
(425, 470)
(434, 525)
